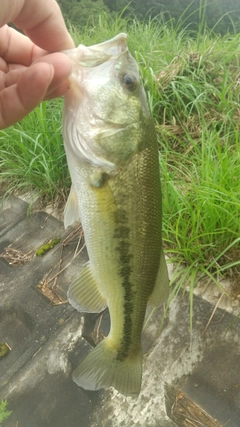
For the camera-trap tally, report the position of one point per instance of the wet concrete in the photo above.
(189, 379)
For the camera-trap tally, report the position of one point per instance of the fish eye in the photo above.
(129, 81)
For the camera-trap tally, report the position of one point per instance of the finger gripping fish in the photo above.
(112, 154)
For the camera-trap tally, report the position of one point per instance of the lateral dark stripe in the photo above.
(122, 233)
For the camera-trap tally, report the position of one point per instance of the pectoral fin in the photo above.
(84, 294)
(71, 211)
(161, 289)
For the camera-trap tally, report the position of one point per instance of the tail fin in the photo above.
(101, 369)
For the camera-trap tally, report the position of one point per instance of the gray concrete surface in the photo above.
(189, 379)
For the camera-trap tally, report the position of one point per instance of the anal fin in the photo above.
(83, 293)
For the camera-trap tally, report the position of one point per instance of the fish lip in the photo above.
(120, 41)
(91, 56)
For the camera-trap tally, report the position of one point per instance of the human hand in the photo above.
(29, 73)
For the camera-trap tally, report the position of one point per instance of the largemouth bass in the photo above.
(112, 155)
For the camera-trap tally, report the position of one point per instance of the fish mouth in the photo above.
(99, 53)
(112, 47)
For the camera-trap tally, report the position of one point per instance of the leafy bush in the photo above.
(4, 413)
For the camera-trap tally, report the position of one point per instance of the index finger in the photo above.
(16, 48)
(42, 22)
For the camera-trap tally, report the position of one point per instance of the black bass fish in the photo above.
(112, 154)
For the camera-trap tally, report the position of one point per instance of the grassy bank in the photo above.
(193, 87)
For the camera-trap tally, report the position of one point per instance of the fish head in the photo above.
(106, 112)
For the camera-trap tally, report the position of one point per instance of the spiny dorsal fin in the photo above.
(161, 289)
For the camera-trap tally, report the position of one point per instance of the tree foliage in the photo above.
(80, 12)
(220, 15)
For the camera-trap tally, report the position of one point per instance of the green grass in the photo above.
(193, 88)
(4, 413)
(32, 156)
